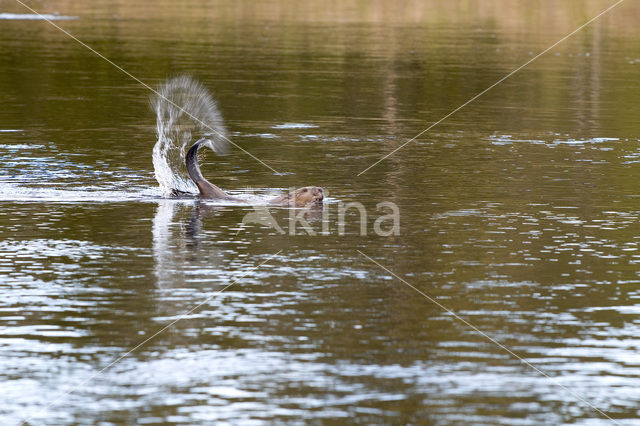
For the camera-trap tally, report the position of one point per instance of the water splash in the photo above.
(185, 111)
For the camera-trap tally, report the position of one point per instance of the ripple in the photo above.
(19, 146)
(294, 126)
(13, 192)
(512, 140)
(35, 16)
(72, 249)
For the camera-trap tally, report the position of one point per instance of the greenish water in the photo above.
(519, 213)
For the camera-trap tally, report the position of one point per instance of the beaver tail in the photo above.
(207, 189)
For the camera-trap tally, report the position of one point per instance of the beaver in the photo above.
(308, 196)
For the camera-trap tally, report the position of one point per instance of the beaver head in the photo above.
(309, 196)
(306, 197)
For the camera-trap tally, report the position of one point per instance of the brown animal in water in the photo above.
(309, 196)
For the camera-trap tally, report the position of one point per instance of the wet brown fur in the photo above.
(308, 196)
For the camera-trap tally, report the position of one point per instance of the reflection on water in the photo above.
(520, 213)
(176, 243)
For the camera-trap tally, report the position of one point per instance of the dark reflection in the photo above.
(199, 212)
(176, 239)
(267, 218)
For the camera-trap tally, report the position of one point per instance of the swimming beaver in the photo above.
(309, 196)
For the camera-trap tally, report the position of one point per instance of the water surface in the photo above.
(519, 213)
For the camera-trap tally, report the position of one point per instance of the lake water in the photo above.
(519, 214)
